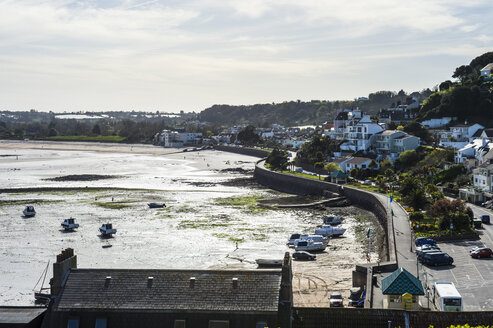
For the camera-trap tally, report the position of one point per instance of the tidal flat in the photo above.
(216, 216)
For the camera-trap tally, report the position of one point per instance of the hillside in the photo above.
(299, 112)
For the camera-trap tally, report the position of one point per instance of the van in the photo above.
(485, 219)
(436, 258)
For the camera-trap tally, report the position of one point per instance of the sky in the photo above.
(97, 55)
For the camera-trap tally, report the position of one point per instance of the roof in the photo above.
(405, 137)
(19, 315)
(342, 116)
(488, 67)
(388, 132)
(338, 174)
(358, 160)
(213, 290)
(488, 132)
(401, 281)
(477, 134)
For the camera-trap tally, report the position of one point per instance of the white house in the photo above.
(437, 122)
(394, 142)
(169, 138)
(459, 135)
(359, 136)
(351, 162)
(483, 176)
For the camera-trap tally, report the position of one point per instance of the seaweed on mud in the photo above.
(29, 201)
(112, 205)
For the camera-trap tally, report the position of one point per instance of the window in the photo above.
(100, 323)
(73, 323)
(218, 324)
(179, 324)
(261, 325)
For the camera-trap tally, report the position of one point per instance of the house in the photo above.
(396, 285)
(344, 118)
(399, 114)
(171, 298)
(475, 153)
(483, 177)
(487, 71)
(349, 163)
(393, 142)
(168, 138)
(459, 135)
(360, 136)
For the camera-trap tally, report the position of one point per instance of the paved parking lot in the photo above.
(472, 277)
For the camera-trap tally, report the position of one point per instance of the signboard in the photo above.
(407, 301)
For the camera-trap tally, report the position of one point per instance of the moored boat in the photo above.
(69, 224)
(309, 245)
(332, 220)
(107, 230)
(156, 205)
(29, 211)
(328, 230)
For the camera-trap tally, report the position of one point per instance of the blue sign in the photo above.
(391, 198)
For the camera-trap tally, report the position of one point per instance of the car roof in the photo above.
(335, 293)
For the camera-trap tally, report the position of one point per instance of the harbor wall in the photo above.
(244, 151)
(295, 184)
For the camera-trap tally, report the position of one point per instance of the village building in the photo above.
(397, 286)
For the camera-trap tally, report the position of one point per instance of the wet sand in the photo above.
(216, 216)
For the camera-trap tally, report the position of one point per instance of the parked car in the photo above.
(485, 219)
(431, 249)
(356, 297)
(424, 240)
(335, 299)
(426, 247)
(303, 255)
(436, 258)
(478, 224)
(482, 252)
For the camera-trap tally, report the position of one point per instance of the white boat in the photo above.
(328, 230)
(69, 224)
(295, 237)
(309, 245)
(29, 211)
(107, 229)
(332, 219)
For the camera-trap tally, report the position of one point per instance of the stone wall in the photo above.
(243, 150)
(307, 186)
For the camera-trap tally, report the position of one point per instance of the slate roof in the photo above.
(358, 160)
(488, 132)
(338, 174)
(19, 315)
(401, 281)
(477, 134)
(170, 290)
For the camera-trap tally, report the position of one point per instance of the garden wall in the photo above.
(244, 151)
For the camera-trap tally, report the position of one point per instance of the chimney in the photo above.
(65, 261)
(235, 282)
(192, 282)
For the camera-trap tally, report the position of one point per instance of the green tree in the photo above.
(331, 167)
(96, 130)
(277, 159)
(408, 158)
(248, 137)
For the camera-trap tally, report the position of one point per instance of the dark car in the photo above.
(356, 297)
(485, 219)
(436, 258)
(302, 255)
(481, 252)
(335, 299)
(424, 241)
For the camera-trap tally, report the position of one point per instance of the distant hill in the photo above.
(291, 113)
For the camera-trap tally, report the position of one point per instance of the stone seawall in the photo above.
(244, 151)
(306, 186)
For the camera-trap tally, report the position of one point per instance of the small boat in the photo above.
(309, 245)
(297, 236)
(40, 296)
(156, 205)
(328, 230)
(269, 263)
(69, 224)
(332, 220)
(107, 230)
(107, 246)
(29, 211)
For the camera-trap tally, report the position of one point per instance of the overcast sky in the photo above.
(173, 55)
